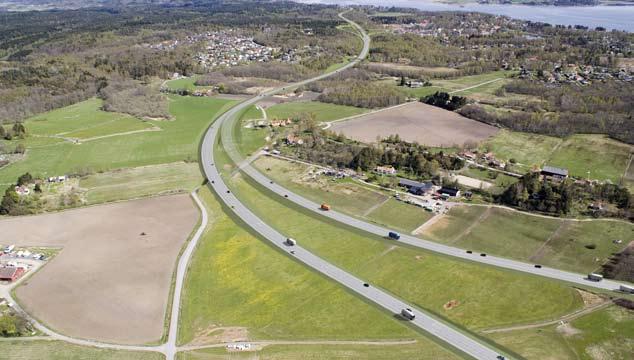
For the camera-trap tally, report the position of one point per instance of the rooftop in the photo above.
(555, 170)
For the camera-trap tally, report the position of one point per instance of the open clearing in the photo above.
(548, 241)
(240, 288)
(601, 335)
(58, 350)
(426, 124)
(176, 141)
(108, 282)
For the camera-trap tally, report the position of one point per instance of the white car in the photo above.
(408, 314)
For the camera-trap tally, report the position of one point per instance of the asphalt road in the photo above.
(389, 302)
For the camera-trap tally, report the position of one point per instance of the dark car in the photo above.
(538, 266)
(469, 252)
(483, 254)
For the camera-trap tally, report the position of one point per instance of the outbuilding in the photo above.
(449, 191)
(554, 173)
(10, 273)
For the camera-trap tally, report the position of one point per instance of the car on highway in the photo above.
(325, 207)
(290, 242)
(595, 277)
(394, 235)
(408, 314)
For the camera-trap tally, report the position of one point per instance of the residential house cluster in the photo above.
(487, 158)
(577, 74)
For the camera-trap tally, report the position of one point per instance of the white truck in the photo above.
(9, 248)
(627, 289)
(595, 277)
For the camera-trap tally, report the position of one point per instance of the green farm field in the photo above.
(58, 350)
(177, 140)
(548, 241)
(237, 280)
(603, 334)
(322, 111)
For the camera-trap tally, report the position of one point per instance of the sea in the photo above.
(608, 17)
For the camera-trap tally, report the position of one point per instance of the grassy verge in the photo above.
(418, 351)
(322, 111)
(58, 350)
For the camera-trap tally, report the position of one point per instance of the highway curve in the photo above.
(457, 339)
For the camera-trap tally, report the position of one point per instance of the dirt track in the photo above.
(426, 124)
(108, 283)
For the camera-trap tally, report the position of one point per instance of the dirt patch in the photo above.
(590, 299)
(214, 335)
(109, 282)
(451, 304)
(418, 257)
(568, 330)
(426, 124)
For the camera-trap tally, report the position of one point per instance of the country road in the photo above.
(224, 124)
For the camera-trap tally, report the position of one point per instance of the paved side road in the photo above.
(459, 340)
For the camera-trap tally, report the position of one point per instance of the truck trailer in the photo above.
(595, 277)
(627, 289)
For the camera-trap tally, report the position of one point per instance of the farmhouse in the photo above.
(385, 170)
(554, 173)
(10, 273)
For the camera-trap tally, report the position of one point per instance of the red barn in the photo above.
(10, 273)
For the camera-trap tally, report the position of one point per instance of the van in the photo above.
(394, 235)
(291, 242)
(325, 207)
(408, 314)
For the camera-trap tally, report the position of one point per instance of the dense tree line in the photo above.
(603, 108)
(532, 193)
(620, 266)
(129, 97)
(362, 94)
(324, 147)
(271, 70)
(444, 100)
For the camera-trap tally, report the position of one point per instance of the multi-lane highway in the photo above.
(448, 334)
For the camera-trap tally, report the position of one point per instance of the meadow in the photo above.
(177, 140)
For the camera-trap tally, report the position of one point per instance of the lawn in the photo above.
(185, 83)
(399, 215)
(177, 141)
(422, 350)
(604, 334)
(322, 111)
(250, 139)
(238, 280)
(59, 350)
(499, 179)
(467, 81)
(487, 296)
(604, 158)
(527, 149)
(548, 241)
(140, 181)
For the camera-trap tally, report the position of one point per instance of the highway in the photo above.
(448, 334)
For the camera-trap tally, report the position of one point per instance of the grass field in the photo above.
(322, 111)
(606, 159)
(251, 139)
(604, 334)
(417, 351)
(499, 179)
(58, 350)
(177, 141)
(399, 215)
(140, 181)
(237, 280)
(554, 242)
(83, 120)
(185, 83)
